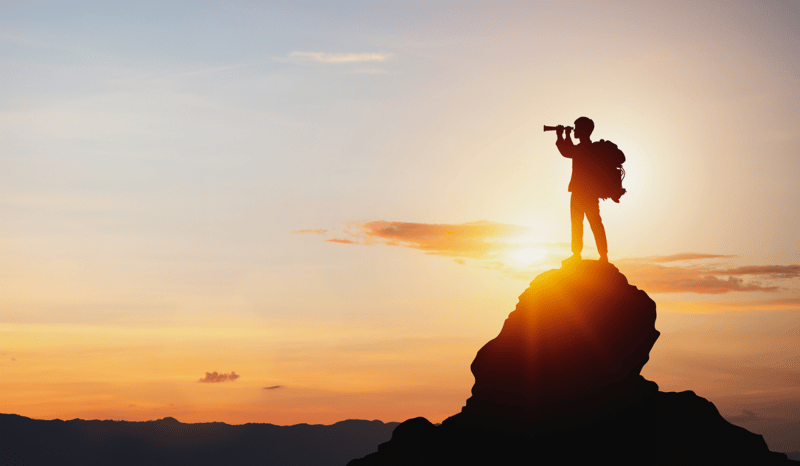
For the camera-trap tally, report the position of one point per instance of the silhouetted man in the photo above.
(583, 186)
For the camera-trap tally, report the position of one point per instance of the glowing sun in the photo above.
(527, 256)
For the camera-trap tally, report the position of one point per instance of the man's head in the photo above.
(583, 128)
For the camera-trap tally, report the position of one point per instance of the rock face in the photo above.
(577, 341)
(561, 385)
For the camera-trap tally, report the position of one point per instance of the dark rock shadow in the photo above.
(561, 384)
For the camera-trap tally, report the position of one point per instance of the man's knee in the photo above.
(594, 218)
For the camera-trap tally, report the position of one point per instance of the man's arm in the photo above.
(565, 144)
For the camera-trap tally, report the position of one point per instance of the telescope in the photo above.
(553, 128)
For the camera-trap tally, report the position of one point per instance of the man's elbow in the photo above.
(564, 151)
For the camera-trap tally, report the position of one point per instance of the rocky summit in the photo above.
(561, 384)
(576, 342)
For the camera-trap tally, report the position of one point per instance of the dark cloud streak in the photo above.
(215, 377)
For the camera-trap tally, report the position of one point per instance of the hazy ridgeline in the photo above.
(25, 441)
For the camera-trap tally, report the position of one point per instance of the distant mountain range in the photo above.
(25, 441)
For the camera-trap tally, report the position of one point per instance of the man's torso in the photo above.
(585, 171)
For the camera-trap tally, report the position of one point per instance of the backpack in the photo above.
(609, 160)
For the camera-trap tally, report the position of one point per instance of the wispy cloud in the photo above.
(774, 271)
(508, 249)
(367, 71)
(274, 387)
(685, 256)
(340, 240)
(660, 279)
(470, 240)
(475, 240)
(512, 251)
(336, 58)
(215, 377)
(720, 307)
(693, 277)
(318, 231)
(746, 416)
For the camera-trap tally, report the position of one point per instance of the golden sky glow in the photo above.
(341, 203)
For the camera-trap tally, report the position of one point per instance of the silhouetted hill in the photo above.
(25, 441)
(576, 342)
(561, 384)
(781, 434)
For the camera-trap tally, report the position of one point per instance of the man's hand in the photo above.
(560, 131)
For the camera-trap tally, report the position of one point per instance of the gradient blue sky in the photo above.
(172, 175)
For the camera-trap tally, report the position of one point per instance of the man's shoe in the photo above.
(571, 259)
(603, 259)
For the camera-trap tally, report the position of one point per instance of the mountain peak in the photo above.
(561, 384)
(576, 341)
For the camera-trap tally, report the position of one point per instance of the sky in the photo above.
(308, 211)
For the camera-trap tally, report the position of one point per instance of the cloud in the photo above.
(318, 231)
(660, 279)
(512, 251)
(775, 271)
(274, 387)
(469, 240)
(482, 240)
(746, 416)
(684, 256)
(214, 377)
(719, 307)
(340, 240)
(648, 274)
(505, 248)
(336, 58)
(367, 71)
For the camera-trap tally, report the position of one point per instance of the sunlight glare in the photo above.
(527, 256)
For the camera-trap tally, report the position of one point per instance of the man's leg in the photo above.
(576, 214)
(592, 208)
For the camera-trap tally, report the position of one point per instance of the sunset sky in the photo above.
(308, 211)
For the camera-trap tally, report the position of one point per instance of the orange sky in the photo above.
(340, 203)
